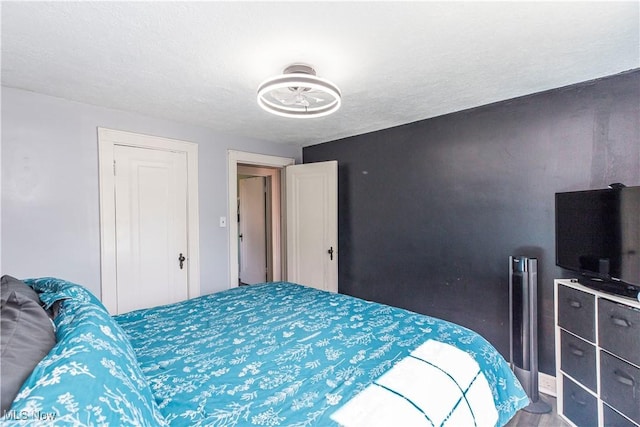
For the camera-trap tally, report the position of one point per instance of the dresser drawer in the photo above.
(619, 330)
(614, 419)
(580, 406)
(578, 360)
(576, 312)
(620, 385)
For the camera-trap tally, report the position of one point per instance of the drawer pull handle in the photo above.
(576, 351)
(575, 304)
(618, 321)
(623, 379)
(579, 402)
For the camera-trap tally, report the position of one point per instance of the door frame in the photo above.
(107, 140)
(234, 158)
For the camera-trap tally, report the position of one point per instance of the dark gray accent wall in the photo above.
(429, 212)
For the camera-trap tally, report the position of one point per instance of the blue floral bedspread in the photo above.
(281, 354)
(91, 376)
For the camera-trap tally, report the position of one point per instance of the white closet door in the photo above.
(151, 227)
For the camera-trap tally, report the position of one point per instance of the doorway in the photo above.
(303, 219)
(266, 166)
(257, 193)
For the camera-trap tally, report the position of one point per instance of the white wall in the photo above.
(50, 200)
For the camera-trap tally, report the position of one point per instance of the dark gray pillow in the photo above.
(9, 284)
(26, 337)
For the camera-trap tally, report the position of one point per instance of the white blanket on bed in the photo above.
(437, 385)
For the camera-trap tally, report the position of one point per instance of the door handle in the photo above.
(181, 260)
(576, 351)
(578, 400)
(330, 252)
(623, 379)
(575, 304)
(618, 321)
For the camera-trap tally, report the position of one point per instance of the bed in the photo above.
(275, 354)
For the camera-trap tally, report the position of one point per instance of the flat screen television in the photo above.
(598, 236)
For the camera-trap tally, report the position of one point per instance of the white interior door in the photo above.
(252, 229)
(151, 227)
(312, 224)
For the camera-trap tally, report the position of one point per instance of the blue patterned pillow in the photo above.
(91, 376)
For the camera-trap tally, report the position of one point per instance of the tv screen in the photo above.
(598, 235)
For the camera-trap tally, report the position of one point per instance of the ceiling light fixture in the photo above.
(299, 93)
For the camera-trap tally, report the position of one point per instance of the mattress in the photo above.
(285, 354)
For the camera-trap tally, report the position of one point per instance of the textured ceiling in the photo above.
(395, 62)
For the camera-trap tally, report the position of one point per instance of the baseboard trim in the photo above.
(547, 384)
